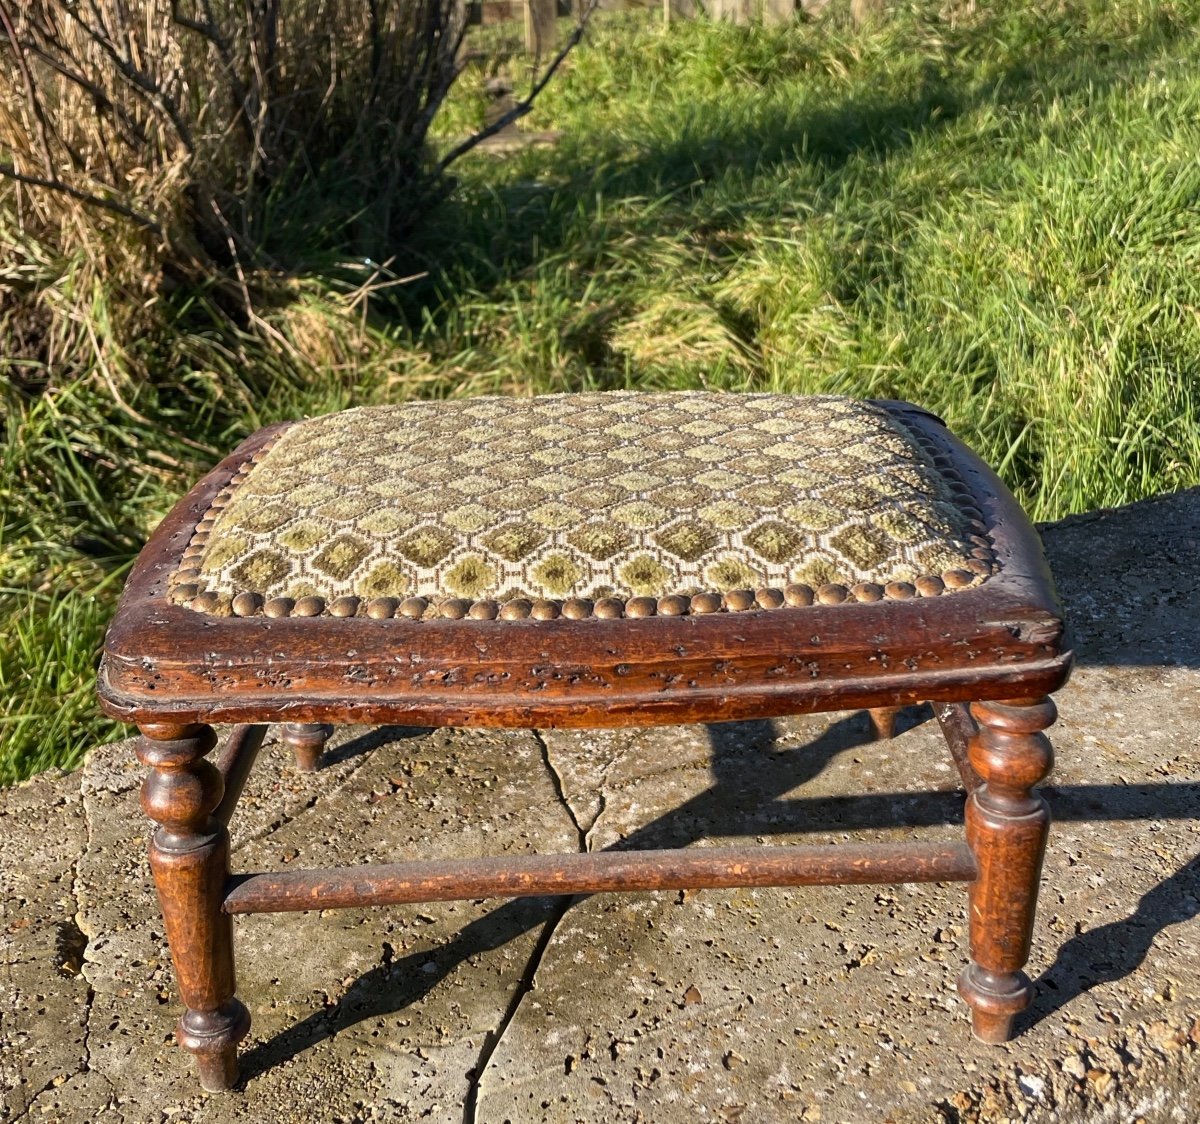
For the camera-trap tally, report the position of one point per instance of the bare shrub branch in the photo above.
(526, 104)
(31, 92)
(82, 196)
(249, 136)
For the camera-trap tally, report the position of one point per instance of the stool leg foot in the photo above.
(883, 719)
(995, 999)
(189, 857)
(307, 740)
(1007, 822)
(212, 1038)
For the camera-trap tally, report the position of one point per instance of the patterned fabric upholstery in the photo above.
(581, 498)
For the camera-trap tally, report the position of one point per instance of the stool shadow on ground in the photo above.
(1114, 950)
(750, 774)
(747, 798)
(372, 739)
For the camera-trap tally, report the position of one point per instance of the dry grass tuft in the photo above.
(151, 148)
(192, 119)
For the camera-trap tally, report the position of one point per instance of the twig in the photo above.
(209, 29)
(522, 107)
(259, 160)
(83, 197)
(450, 69)
(150, 89)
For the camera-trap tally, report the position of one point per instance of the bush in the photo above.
(209, 125)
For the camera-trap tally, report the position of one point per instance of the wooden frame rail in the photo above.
(608, 871)
(234, 765)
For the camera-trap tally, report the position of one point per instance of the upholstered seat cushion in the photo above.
(613, 503)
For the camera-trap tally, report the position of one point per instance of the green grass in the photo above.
(997, 216)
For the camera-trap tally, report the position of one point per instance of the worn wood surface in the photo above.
(1007, 824)
(861, 11)
(778, 12)
(541, 35)
(959, 727)
(883, 721)
(189, 858)
(492, 12)
(538, 17)
(734, 11)
(173, 671)
(618, 872)
(164, 662)
(307, 742)
(234, 764)
(679, 9)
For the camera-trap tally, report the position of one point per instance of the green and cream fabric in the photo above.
(584, 496)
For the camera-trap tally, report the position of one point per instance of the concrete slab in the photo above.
(840, 1002)
(832, 1004)
(369, 1014)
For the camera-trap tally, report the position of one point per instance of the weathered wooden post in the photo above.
(735, 11)
(541, 17)
(679, 9)
(863, 10)
(778, 12)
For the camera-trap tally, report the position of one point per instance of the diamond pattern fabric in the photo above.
(584, 496)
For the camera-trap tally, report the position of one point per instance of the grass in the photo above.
(991, 213)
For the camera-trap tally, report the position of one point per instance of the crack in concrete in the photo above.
(584, 829)
(80, 920)
(85, 1062)
(525, 985)
(60, 1079)
(20, 1068)
(560, 790)
(587, 838)
(53, 1083)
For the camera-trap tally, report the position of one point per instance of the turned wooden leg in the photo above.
(189, 856)
(883, 719)
(1006, 828)
(307, 740)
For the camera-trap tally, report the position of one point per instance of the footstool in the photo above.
(587, 560)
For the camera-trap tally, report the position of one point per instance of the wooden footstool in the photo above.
(587, 560)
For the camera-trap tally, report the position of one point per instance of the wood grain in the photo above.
(307, 742)
(618, 872)
(541, 27)
(174, 671)
(237, 759)
(189, 858)
(1007, 823)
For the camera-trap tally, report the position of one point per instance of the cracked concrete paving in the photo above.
(832, 1003)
